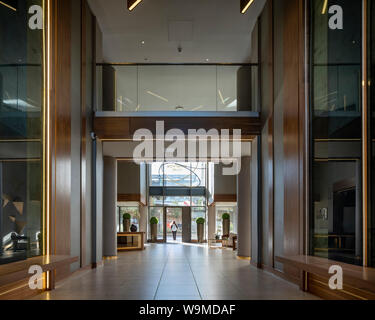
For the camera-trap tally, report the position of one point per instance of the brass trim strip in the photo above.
(239, 64)
(20, 140)
(336, 159)
(337, 140)
(20, 160)
(244, 258)
(110, 258)
(343, 291)
(46, 128)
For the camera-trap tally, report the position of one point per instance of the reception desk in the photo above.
(127, 241)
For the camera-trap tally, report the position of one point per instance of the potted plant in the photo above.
(126, 221)
(154, 228)
(226, 224)
(200, 227)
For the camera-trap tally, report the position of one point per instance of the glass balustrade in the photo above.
(176, 88)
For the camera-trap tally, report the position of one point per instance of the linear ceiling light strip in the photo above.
(133, 3)
(8, 6)
(245, 5)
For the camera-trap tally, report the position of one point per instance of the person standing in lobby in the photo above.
(174, 229)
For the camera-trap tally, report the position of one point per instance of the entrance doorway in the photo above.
(173, 215)
(182, 217)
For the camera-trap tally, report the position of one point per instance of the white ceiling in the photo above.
(205, 29)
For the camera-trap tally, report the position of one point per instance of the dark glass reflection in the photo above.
(371, 46)
(21, 104)
(336, 113)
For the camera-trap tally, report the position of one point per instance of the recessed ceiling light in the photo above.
(143, 42)
(245, 5)
(133, 3)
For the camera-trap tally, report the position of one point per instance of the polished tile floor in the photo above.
(176, 272)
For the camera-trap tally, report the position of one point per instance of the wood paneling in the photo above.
(14, 277)
(112, 128)
(291, 97)
(318, 285)
(269, 165)
(294, 106)
(129, 198)
(267, 154)
(359, 282)
(20, 270)
(61, 131)
(225, 198)
(83, 133)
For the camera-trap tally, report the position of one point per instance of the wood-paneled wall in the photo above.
(113, 128)
(60, 130)
(294, 112)
(84, 155)
(292, 171)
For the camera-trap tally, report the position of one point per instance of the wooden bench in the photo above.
(19, 271)
(360, 278)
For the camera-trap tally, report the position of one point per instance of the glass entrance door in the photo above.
(173, 215)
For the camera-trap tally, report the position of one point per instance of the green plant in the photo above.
(154, 220)
(226, 216)
(127, 216)
(200, 221)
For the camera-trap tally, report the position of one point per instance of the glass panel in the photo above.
(177, 174)
(21, 105)
(156, 201)
(219, 219)
(126, 89)
(177, 201)
(174, 216)
(196, 213)
(208, 88)
(177, 88)
(237, 88)
(157, 174)
(158, 213)
(336, 219)
(135, 214)
(199, 201)
(198, 178)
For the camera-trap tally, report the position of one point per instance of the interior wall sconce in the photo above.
(133, 3)
(245, 5)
